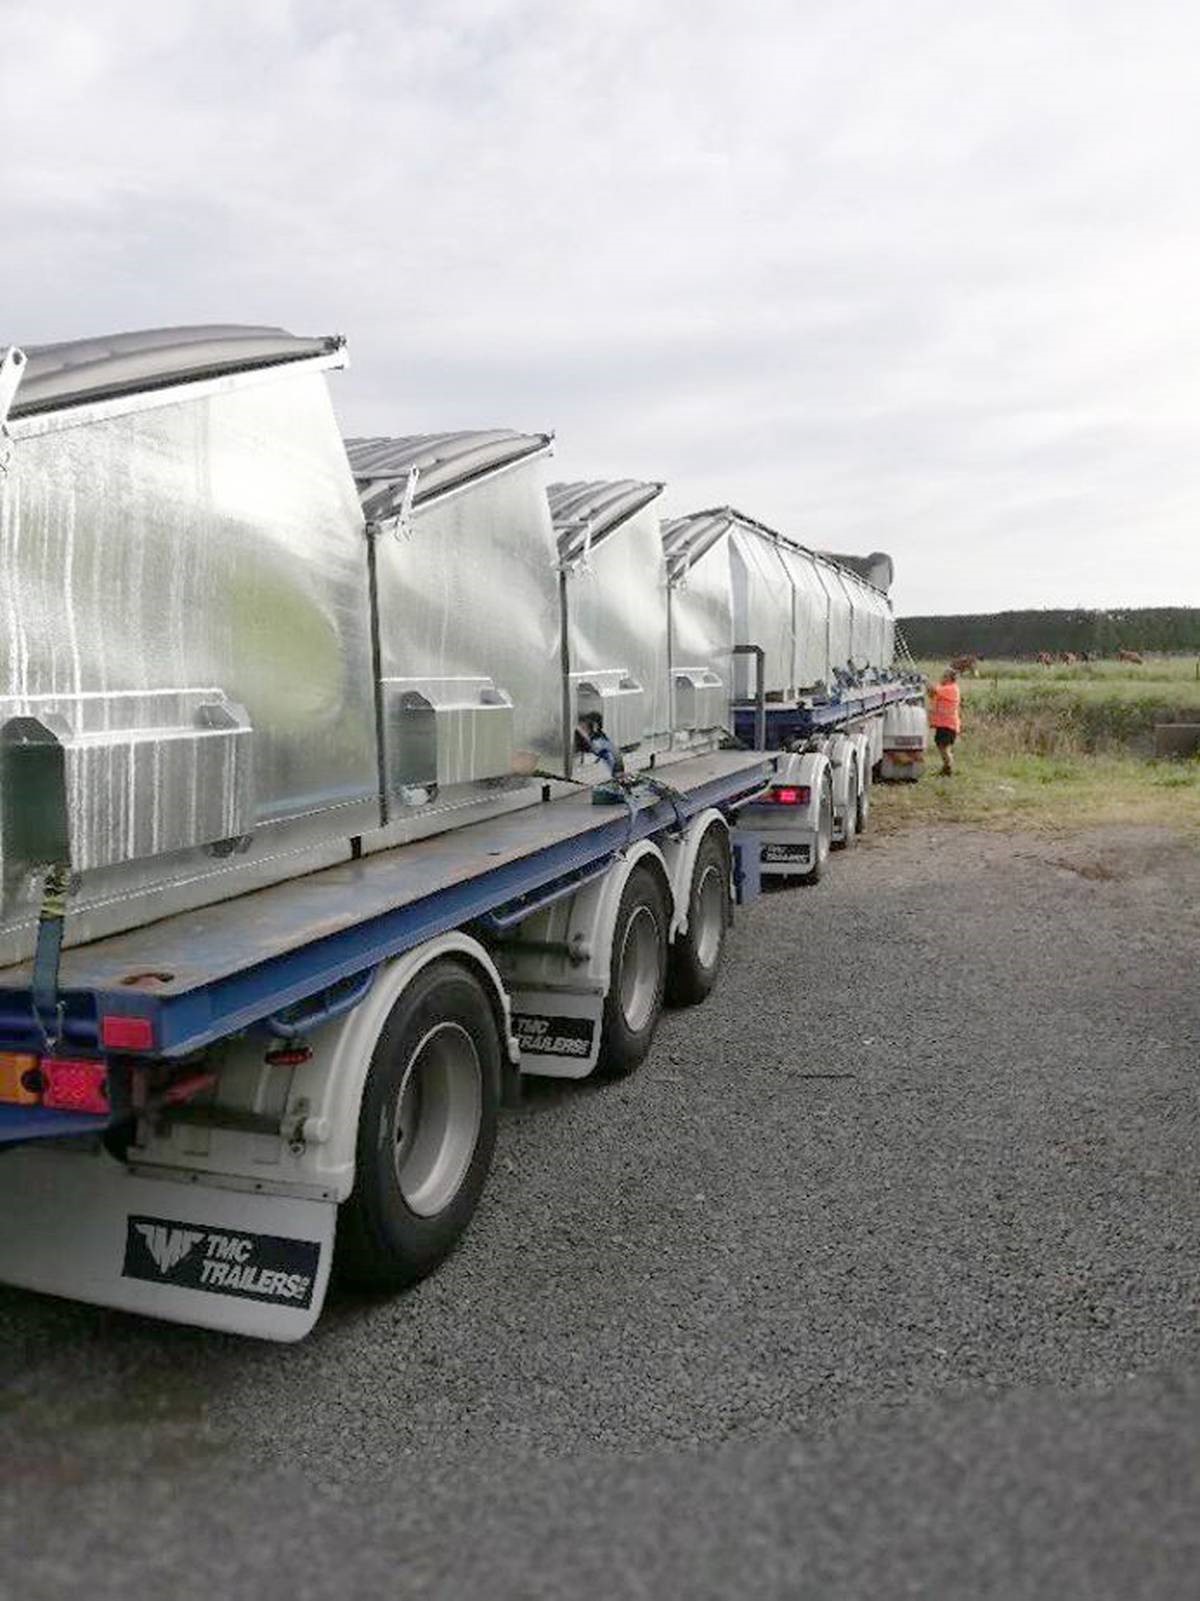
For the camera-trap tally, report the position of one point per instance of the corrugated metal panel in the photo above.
(838, 614)
(81, 370)
(686, 539)
(586, 512)
(443, 461)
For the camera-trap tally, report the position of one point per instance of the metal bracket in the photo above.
(12, 370)
(331, 1002)
(400, 522)
(583, 562)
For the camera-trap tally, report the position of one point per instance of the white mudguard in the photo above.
(788, 837)
(556, 970)
(842, 753)
(78, 1223)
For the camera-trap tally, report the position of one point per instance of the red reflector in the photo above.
(75, 1086)
(791, 796)
(288, 1055)
(127, 1033)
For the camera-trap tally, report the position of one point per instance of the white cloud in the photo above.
(919, 278)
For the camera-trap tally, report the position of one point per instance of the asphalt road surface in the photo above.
(879, 1279)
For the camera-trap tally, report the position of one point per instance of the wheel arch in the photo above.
(679, 860)
(332, 1081)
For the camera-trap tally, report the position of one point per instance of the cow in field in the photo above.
(1068, 657)
(966, 664)
(1134, 656)
(1045, 658)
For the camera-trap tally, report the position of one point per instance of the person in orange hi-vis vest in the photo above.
(945, 701)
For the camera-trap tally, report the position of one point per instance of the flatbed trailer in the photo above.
(216, 1070)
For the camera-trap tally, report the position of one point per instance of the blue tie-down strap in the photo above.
(19, 1124)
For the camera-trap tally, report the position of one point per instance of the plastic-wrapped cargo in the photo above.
(186, 704)
(613, 586)
(465, 580)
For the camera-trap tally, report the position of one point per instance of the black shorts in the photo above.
(944, 736)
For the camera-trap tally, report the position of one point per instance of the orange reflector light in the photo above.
(75, 1086)
(19, 1081)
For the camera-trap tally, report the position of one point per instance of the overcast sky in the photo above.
(920, 277)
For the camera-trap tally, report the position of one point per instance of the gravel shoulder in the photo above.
(882, 1270)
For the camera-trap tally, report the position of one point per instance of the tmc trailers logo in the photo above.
(168, 1246)
(261, 1267)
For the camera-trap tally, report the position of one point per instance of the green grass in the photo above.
(1061, 748)
(1091, 707)
(1051, 794)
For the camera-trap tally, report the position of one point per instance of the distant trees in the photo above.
(1024, 633)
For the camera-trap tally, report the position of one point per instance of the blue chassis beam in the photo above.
(790, 722)
(190, 1019)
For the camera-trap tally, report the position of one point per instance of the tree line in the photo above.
(1024, 633)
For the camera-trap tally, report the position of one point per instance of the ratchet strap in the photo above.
(47, 1007)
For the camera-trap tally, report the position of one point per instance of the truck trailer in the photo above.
(340, 786)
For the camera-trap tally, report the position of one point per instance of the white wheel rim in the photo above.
(710, 916)
(638, 967)
(437, 1117)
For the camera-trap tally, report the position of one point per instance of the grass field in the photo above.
(1060, 748)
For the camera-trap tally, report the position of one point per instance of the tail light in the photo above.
(72, 1086)
(789, 795)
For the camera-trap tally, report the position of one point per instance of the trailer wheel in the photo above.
(824, 835)
(426, 1131)
(850, 824)
(637, 977)
(695, 957)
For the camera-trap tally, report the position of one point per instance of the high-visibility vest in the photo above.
(946, 700)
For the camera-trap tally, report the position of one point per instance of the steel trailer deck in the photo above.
(800, 719)
(201, 975)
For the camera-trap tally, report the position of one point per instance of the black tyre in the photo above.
(638, 975)
(863, 809)
(426, 1131)
(695, 957)
(849, 830)
(824, 835)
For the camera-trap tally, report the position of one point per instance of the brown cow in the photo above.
(1045, 658)
(966, 664)
(1134, 656)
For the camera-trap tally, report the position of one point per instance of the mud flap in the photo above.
(79, 1224)
(558, 1032)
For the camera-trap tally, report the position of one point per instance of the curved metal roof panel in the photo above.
(443, 461)
(586, 513)
(81, 370)
(687, 539)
